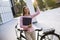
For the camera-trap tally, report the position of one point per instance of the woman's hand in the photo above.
(25, 27)
(36, 3)
(30, 25)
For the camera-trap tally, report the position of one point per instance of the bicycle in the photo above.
(47, 35)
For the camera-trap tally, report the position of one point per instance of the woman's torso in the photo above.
(29, 29)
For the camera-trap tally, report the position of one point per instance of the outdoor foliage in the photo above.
(46, 4)
(43, 5)
(19, 5)
(40, 4)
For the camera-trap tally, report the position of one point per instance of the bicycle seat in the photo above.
(49, 31)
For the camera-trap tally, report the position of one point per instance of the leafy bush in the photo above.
(50, 3)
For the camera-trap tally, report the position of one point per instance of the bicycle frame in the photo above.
(22, 36)
(38, 35)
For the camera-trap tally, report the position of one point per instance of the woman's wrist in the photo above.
(29, 26)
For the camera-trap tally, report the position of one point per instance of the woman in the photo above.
(30, 33)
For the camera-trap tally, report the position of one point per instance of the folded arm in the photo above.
(21, 24)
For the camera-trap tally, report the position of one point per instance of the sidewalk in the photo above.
(7, 30)
(51, 18)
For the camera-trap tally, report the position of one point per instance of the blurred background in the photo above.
(11, 10)
(43, 5)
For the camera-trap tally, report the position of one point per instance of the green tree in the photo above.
(40, 4)
(50, 3)
(19, 5)
(46, 4)
(22, 4)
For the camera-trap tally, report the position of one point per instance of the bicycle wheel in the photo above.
(51, 36)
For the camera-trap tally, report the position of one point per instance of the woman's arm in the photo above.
(21, 24)
(36, 13)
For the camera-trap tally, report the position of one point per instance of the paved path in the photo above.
(51, 18)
